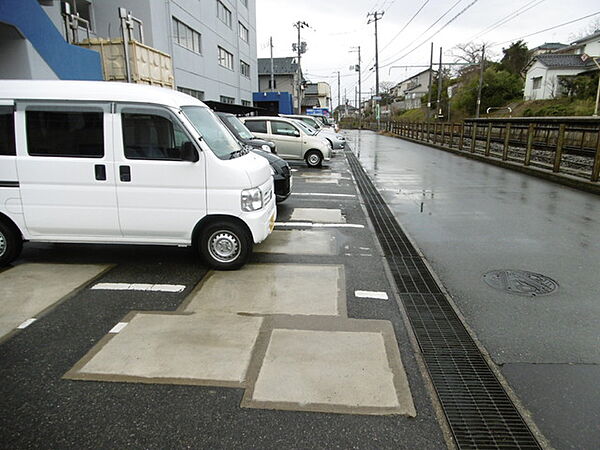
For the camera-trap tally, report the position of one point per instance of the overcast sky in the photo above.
(338, 25)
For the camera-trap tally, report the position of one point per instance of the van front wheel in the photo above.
(314, 158)
(225, 245)
(11, 243)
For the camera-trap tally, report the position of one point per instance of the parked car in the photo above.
(244, 135)
(336, 140)
(282, 175)
(292, 141)
(99, 162)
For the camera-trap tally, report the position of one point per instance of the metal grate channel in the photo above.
(480, 413)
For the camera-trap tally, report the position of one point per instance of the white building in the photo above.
(408, 93)
(212, 42)
(544, 71)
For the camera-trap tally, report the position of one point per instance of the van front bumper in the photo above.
(262, 222)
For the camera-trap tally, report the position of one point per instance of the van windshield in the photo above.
(219, 139)
(239, 127)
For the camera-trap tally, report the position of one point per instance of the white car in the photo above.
(104, 162)
(293, 140)
(336, 140)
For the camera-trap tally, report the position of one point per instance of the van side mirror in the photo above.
(296, 133)
(189, 152)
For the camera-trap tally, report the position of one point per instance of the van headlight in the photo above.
(252, 199)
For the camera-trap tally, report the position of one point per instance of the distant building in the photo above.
(547, 47)
(316, 95)
(212, 43)
(408, 93)
(544, 71)
(286, 76)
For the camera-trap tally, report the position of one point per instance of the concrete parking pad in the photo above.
(29, 289)
(298, 242)
(354, 367)
(322, 175)
(318, 215)
(206, 349)
(274, 289)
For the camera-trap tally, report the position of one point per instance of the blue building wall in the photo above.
(284, 99)
(69, 62)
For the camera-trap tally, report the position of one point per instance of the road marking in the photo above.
(318, 225)
(26, 323)
(139, 287)
(118, 327)
(322, 194)
(371, 294)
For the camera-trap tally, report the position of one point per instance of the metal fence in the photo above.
(569, 146)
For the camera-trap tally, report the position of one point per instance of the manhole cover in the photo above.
(521, 282)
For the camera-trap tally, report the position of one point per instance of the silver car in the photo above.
(336, 140)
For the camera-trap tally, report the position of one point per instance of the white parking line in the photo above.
(139, 287)
(371, 294)
(118, 327)
(324, 194)
(26, 323)
(318, 225)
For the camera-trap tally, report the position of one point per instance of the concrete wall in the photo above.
(21, 60)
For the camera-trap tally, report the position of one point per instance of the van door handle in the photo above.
(100, 171)
(125, 173)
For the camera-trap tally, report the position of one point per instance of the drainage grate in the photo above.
(478, 409)
(521, 282)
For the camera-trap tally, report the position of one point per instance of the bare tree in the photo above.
(470, 53)
(386, 86)
(592, 27)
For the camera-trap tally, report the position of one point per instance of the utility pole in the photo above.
(272, 72)
(377, 15)
(430, 83)
(339, 90)
(439, 97)
(480, 87)
(358, 69)
(598, 91)
(300, 47)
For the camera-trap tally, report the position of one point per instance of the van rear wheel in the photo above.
(11, 243)
(225, 245)
(314, 158)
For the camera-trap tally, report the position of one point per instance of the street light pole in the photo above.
(377, 15)
(480, 87)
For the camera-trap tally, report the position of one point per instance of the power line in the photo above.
(406, 25)
(428, 28)
(433, 35)
(523, 9)
(546, 29)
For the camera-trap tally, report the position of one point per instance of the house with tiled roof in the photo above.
(286, 76)
(544, 71)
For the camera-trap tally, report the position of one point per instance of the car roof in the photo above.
(94, 91)
(267, 118)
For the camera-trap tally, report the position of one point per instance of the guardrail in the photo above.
(568, 146)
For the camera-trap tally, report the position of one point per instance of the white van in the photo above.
(293, 139)
(104, 162)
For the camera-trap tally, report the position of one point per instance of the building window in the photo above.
(83, 8)
(186, 36)
(7, 131)
(244, 33)
(245, 68)
(225, 58)
(537, 82)
(223, 13)
(74, 134)
(225, 99)
(246, 103)
(193, 92)
(274, 83)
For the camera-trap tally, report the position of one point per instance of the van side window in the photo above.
(257, 126)
(283, 128)
(151, 136)
(77, 134)
(7, 131)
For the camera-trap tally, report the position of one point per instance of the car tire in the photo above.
(225, 245)
(313, 158)
(11, 243)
